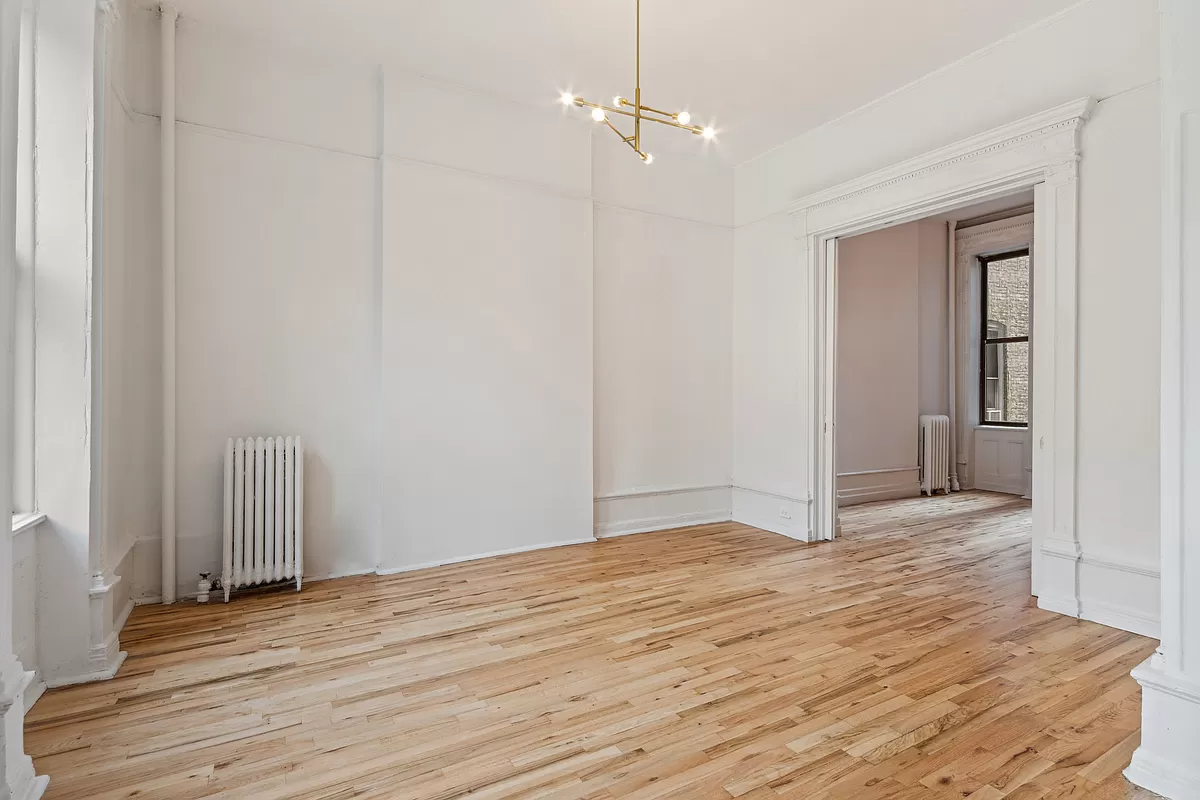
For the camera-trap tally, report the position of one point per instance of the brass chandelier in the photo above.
(621, 106)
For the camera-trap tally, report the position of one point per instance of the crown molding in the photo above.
(1068, 116)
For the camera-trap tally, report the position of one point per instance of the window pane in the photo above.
(1008, 296)
(1006, 383)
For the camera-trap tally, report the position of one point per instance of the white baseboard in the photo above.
(1068, 606)
(645, 510)
(1118, 617)
(123, 617)
(652, 524)
(36, 788)
(1120, 595)
(874, 485)
(772, 511)
(462, 559)
(1162, 777)
(107, 673)
(34, 692)
(984, 484)
(1165, 763)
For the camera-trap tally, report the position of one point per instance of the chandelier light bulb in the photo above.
(567, 98)
(598, 114)
(683, 118)
(709, 133)
(649, 159)
(618, 101)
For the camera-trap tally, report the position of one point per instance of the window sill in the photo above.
(26, 522)
(1001, 427)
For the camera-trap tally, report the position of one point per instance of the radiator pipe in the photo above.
(952, 349)
(169, 18)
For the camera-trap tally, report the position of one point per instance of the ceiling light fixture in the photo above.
(636, 110)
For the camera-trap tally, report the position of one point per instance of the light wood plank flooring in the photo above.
(906, 660)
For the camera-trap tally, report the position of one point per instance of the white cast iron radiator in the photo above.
(934, 453)
(264, 512)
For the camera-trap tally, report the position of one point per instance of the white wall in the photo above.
(276, 252)
(770, 396)
(663, 279)
(422, 299)
(1104, 48)
(487, 384)
(1119, 312)
(891, 352)
(878, 378)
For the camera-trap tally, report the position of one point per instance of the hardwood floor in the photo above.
(906, 660)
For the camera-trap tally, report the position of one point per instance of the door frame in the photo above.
(1041, 152)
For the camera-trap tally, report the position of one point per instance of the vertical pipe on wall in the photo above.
(98, 496)
(169, 18)
(952, 350)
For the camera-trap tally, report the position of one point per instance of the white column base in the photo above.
(1168, 761)
(1058, 578)
(17, 779)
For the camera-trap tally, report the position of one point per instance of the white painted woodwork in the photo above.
(1103, 48)
(1166, 760)
(999, 459)
(167, 198)
(1003, 235)
(17, 779)
(1040, 151)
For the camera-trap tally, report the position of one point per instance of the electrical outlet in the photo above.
(785, 512)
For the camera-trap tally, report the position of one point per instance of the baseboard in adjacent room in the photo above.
(870, 486)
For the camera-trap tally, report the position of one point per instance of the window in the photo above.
(1004, 360)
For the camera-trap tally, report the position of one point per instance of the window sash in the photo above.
(985, 340)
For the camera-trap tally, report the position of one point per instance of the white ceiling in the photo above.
(763, 71)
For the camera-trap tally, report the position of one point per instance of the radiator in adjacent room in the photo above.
(264, 512)
(934, 453)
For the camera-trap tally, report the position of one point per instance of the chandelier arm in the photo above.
(689, 128)
(626, 139)
(656, 111)
(579, 101)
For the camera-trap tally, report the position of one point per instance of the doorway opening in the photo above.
(933, 361)
(932, 349)
(1039, 153)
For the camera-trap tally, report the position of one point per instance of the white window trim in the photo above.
(26, 522)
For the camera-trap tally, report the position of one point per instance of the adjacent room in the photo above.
(606, 399)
